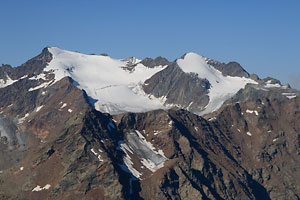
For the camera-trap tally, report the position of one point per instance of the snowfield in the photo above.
(114, 89)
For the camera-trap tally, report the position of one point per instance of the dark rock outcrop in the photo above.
(179, 88)
(229, 69)
(149, 62)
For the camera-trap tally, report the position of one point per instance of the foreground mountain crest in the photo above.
(76, 126)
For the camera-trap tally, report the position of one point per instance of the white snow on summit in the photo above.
(222, 87)
(115, 86)
(113, 89)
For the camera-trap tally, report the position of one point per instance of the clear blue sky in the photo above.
(264, 36)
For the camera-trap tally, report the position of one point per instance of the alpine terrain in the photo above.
(77, 126)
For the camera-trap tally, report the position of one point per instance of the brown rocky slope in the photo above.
(55, 145)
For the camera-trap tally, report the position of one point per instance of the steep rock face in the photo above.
(198, 164)
(266, 133)
(229, 69)
(30, 118)
(177, 88)
(245, 151)
(149, 62)
(59, 149)
(32, 67)
(4, 70)
(77, 163)
(210, 159)
(193, 84)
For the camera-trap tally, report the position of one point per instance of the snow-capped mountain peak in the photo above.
(105, 80)
(221, 87)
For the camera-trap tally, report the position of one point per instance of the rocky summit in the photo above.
(77, 126)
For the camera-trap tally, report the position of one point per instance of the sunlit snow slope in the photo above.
(114, 89)
(221, 87)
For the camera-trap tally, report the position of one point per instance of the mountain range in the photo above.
(78, 126)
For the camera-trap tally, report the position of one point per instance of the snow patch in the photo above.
(70, 110)
(94, 152)
(46, 187)
(38, 77)
(64, 105)
(128, 167)
(150, 157)
(151, 165)
(123, 146)
(97, 154)
(289, 95)
(248, 133)
(7, 82)
(252, 111)
(188, 108)
(21, 120)
(39, 108)
(137, 145)
(39, 188)
(271, 85)
(43, 85)
(25, 76)
(211, 119)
